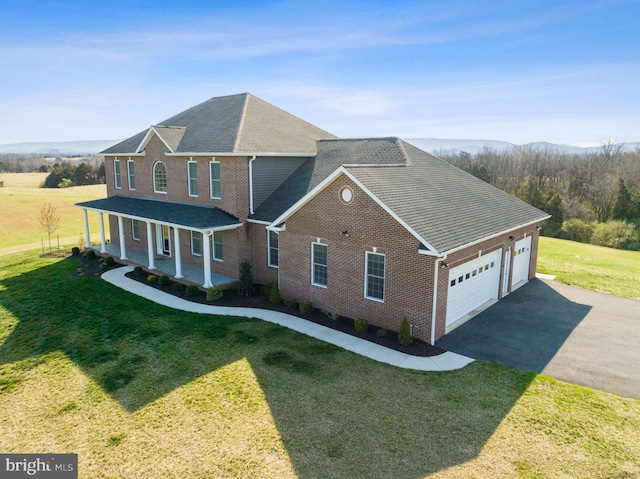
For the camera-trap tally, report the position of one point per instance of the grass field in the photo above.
(139, 390)
(20, 202)
(591, 267)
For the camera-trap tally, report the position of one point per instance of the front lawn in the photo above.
(591, 267)
(139, 390)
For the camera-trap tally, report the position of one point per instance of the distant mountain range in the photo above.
(439, 145)
(56, 148)
(431, 145)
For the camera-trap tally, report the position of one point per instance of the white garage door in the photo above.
(521, 259)
(472, 284)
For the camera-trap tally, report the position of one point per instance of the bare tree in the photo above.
(49, 219)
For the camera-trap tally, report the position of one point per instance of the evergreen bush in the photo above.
(274, 296)
(138, 271)
(404, 335)
(361, 324)
(214, 293)
(245, 284)
(164, 280)
(192, 290)
(306, 307)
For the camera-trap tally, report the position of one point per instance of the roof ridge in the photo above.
(245, 107)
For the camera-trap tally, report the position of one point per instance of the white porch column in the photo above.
(103, 242)
(176, 240)
(123, 251)
(206, 239)
(87, 238)
(150, 248)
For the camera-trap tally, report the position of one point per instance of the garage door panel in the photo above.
(521, 260)
(472, 284)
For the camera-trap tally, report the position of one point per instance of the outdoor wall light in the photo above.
(538, 228)
(345, 233)
(444, 265)
(511, 238)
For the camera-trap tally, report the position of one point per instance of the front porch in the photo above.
(164, 265)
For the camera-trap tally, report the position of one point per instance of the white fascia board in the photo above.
(524, 225)
(173, 225)
(121, 155)
(259, 222)
(328, 180)
(147, 139)
(242, 154)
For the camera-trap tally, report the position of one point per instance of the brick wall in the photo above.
(408, 275)
(262, 272)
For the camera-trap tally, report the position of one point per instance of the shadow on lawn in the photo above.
(338, 414)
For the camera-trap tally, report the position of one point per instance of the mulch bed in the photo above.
(92, 268)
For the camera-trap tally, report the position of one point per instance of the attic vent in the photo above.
(346, 194)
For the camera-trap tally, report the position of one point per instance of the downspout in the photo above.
(434, 305)
(251, 160)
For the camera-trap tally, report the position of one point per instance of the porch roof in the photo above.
(192, 217)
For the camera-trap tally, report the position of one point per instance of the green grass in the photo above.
(591, 267)
(138, 390)
(20, 202)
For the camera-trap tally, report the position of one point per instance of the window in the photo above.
(135, 229)
(192, 170)
(196, 243)
(214, 173)
(375, 276)
(218, 250)
(132, 174)
(116, 173)
(274, 241)
(319, 264)
(159, 177)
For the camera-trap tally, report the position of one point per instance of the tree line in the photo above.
(66, 174)
(593, 197)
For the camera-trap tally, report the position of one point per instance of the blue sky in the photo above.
(519, 71)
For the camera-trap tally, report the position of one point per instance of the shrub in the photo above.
(265, 290)
(109, 261)
(616, 234)
(75, 251)
(214, 293)
(306, 307)
(291, 303)
(90, 254)
(274, 296)
(177, 287)
(577, 230)
(164, 280)
(382, 333)
(245, 284)
(361, 324)
(138, 271)
(152, 278)
(404, 335)
(193, 290)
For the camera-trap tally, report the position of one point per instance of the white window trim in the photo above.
(137, 238)
(313, 265)
(213, 246)
(201, 240)
(153, 172)
(211, 182)
(129, 163)
(117, 172)
(366, 274)
(269, 249)
(189, 178)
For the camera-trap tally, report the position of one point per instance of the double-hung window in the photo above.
(319, 264)
(214, 174)
(135, 229)
(274, 241)
(196, 243)
(132, 174)
(218, 248)
(192, 171)
(375, 267)
(116, 173)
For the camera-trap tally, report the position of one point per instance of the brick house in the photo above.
(372, 228)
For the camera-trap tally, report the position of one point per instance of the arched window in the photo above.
(159, 177)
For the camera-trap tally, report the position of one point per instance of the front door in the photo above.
(166, 240)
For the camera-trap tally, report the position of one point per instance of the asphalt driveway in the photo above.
(580, 336)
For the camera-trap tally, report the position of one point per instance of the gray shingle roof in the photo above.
(233, 124)
(446, 206)
(188, 216)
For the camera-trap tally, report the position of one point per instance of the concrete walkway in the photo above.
(444, 362)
